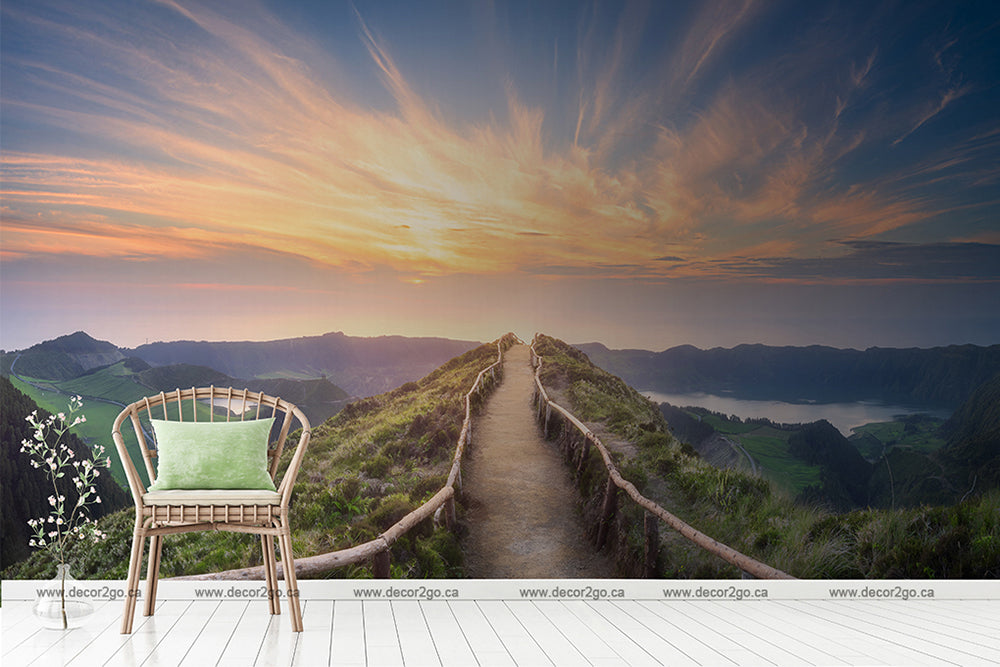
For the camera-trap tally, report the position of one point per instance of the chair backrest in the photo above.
(206, 404)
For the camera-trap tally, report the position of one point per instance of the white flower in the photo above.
(52, 501)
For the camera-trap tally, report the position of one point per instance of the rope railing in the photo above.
(378, 549)
(546, 407)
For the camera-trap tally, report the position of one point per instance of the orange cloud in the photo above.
(246, 146)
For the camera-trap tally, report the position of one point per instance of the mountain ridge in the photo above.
(940, 376)
(362, 366)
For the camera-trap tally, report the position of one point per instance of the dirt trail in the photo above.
(523, 518)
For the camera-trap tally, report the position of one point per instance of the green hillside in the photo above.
(107, 389)
(752, 515)
(973, 439)
(766, 442)
(920, 433)
(367, 467)
(25, 490)
(63, 358)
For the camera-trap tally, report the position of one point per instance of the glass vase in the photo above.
(56, 607)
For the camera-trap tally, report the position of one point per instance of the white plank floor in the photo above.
(520, 632)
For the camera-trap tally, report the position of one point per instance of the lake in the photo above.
(845, 416)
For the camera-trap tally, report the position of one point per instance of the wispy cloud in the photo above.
(881, 262)
(934, 108)
(231, 136)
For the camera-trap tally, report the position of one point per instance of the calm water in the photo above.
(844, 416)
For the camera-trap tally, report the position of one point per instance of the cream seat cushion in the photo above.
(212, 497)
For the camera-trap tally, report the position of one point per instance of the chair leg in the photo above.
(153, 573)
(288, 567)
(132, 584)
(270, 573)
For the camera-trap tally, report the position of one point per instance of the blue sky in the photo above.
(643, 174)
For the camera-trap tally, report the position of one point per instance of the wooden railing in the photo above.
(443, 502)
(580, 453)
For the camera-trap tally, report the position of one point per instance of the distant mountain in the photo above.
(941, 376)
(362, 366)
(63, 358)
(844, 473)
(320, 399)
(974, 435)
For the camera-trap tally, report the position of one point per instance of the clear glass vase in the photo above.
(56, 607)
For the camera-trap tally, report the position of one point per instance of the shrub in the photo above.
(377, 466)
(392, 508)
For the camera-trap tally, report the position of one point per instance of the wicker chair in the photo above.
(164, 512)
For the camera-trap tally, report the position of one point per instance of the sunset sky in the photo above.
(641, 174)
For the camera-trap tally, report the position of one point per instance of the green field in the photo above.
(917, 434)
(114, 383)
(769, 448)
(771, 453)
(723, 425)
(111, 384)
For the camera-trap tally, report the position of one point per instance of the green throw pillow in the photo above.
(212, 455)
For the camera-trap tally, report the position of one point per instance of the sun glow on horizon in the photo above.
(642, 146)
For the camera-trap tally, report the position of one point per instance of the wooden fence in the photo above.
(548, 409)
(443, 502)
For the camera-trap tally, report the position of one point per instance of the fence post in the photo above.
(380, 565)
(607, 511)
(449, 514)
(584, 455)
(651, 524)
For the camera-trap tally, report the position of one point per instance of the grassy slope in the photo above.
(750, 515)
(769, 447)
(366, 468)
(97, 428)
(920, 435)
(120, 386)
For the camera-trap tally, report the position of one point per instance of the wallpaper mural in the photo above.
(780, 221)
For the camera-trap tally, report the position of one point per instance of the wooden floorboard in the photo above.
(381, 636)
(491, 632)
(347, 646)
(487, 648)
(515, 635)
(208, 647)
(882, 642)
(452, 645)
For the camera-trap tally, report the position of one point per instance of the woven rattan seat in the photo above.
(165, 512)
